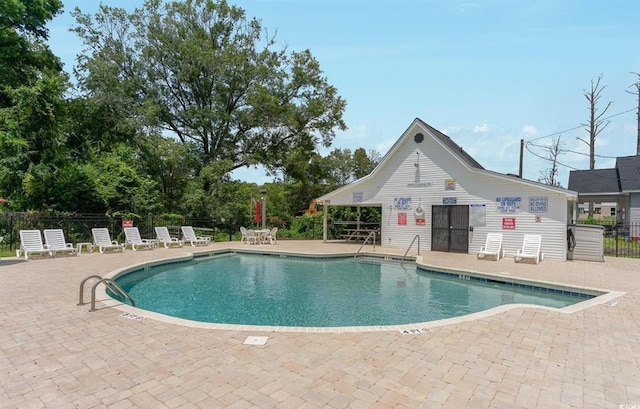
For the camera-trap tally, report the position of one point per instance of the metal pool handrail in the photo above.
(373, 233)
(110, 284)
(417, 236)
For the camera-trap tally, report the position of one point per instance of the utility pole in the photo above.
(637, 85)
(522, 156)
(638, 114)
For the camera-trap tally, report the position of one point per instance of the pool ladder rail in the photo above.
(417, 236)
(373, 233)
(110, 284)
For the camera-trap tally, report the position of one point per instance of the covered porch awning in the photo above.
(602, 197)
(325, 203)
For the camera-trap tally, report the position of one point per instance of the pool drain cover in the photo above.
(252, 340)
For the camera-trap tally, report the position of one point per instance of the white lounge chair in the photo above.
(134, 240)
(530, 248)
(30, 243)
(162, 233)
(492, 246)
(56, 243)
(102, 240)
(188, 234)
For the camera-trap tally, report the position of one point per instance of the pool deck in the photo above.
(56, 354)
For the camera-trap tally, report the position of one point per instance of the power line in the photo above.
(580, 126)
(547, 159)
(594, 171)
(571, 151)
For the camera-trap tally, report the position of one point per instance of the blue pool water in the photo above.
(279, 291)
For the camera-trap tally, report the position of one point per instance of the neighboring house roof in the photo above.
(457, 151)
(629, 172)
(625, 177)
(594, 181)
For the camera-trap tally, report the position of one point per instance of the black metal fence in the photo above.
(77, 227)
(619, 240)
(622, 241)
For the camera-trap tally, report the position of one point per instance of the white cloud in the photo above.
(384, 146)
(530, 131)
(496, 151)
(356, 133)
(355, 137)
(467, 6)
(602, 142)
(629, 128)
(452, 129)
(484, 128)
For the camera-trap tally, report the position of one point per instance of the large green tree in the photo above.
(203, 72)
(364, 163)
(32, 107)
(24, 55)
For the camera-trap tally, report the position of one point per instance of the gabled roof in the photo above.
(594, 181)
(625, 177)
(454, 147)
(629, 172)
(463, 157)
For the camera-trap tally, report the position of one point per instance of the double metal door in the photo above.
(450, 228)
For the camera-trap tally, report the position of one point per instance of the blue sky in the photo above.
(486, 73)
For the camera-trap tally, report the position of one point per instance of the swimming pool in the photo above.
(270, 290)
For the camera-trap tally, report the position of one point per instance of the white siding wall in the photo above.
(398, 178)
(634, 208)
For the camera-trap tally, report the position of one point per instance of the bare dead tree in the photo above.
(596, 123)
(637, 92)
(550, 176)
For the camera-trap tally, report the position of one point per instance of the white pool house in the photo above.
(428, 186)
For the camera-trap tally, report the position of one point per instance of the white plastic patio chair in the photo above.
(530, 248)
(271, 236)
(252, 237)
(162, 233)
(492, 246)
(30, 243)
(243, 231)
(102, 240)
(134, 240)
(56, 243)
(188, 234)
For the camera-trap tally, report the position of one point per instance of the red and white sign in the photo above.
(402, 219)
(127, 223)
(508, 223)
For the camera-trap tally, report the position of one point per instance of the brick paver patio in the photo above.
(56, 354)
